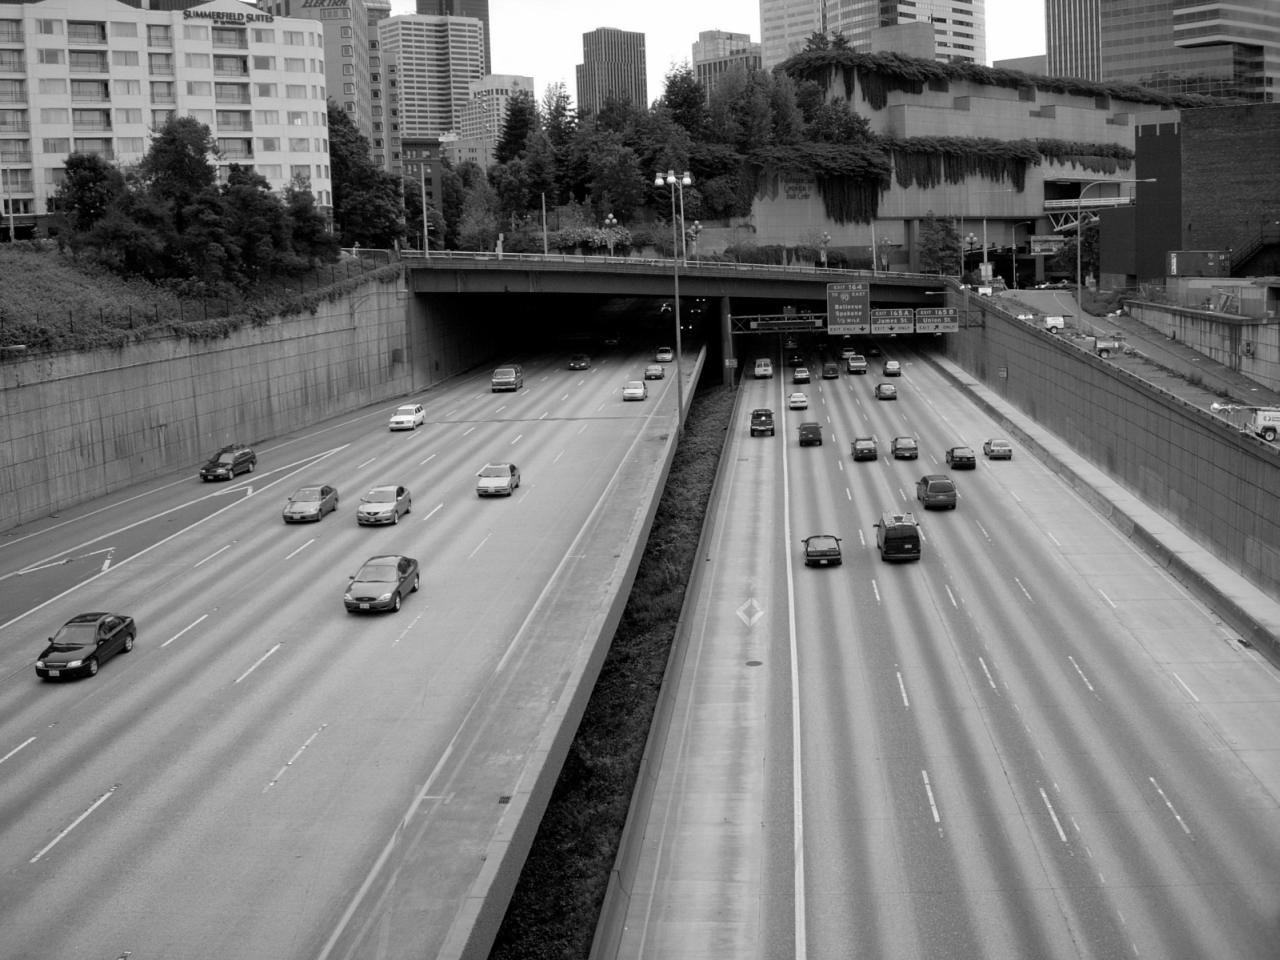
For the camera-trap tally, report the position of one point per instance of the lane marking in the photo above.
(428, 460)
(1053, 814)
(289, 763)
(1190, 693)
(212, 555)
(1025, 591)
(361, 466)
(194, 623)
(928, 789)
(258, 663)
(1081, 673)
(74, 823)
(902, 689)
(25, 743)
(1106, 598)
(412, 623)
(990, 679)
(951, 596)
(301, 548)
(1168, 803)
(519, 436)
(432, 512)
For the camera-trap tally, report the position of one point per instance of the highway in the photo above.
(1030, 743)
(256, 778)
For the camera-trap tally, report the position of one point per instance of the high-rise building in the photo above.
(1176, 46)
(100, 77)
(429, 64)
(479, 9)
(346, 51)
(716, 52)
(613, 65)
(484, 117)
(376, 11)
(959, 26)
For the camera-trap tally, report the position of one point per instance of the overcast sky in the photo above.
(543, 38)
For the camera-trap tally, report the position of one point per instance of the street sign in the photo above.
(848, 307)
(937, 320)
(897, 320)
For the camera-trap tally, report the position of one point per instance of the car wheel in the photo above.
(92, 666)
(408, 505)
(128, 644)
(395, 604)
(395, 517)
(1104, 354)
(417, 582)
(1269, 435)
(252, 465)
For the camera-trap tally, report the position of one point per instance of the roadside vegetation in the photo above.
(554, 911)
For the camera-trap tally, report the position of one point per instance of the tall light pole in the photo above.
(672, 181)
(970, 242)
(678, 184)
(609, 223)
(1014, 248)
(823, 243)
(422, 183)
(693, 232)
(1080, 233)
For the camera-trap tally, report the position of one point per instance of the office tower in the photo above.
(346, 52)
(613, 65)
(959, 26)
(716, 52)
(479, 9)
(1215, 49)
(483, 118)
(376, 11)
(100, 77)
(430, 63)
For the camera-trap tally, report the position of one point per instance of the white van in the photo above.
(764, 369)
(1265, 423)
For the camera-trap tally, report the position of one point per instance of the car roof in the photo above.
(89, 617)
(822, 536)
(864, 439)
(936, 476)
(384, 486)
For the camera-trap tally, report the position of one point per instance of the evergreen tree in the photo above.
(520, 121)
(686, 100)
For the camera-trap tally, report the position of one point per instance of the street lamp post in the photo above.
(693, 232)
(970, 241)
(671, 181)
(1080, 232)
(609, 223)
(823, 244)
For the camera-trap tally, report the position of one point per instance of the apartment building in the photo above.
(98, 76)
(613, 66)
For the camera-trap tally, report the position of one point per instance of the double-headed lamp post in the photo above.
(609, 223)
(675, 183)
(1080, 232)
(823, 244)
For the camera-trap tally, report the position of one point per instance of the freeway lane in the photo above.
(230, 786)
(1030, 743)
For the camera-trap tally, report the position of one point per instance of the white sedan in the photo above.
(798, 401)
(665, 355)
(408, 417)
(635, 390)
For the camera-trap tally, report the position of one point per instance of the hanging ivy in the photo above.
(849, 177)
(878, 74)
(931, 161)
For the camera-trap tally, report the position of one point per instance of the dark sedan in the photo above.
(382, 583)
(962, 458)
(310, 504)
(84, 643)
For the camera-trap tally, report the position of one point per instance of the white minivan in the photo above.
(764, 368)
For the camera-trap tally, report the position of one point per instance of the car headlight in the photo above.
(40, 664)
(385, 597)
(347, 595)
(75, 663)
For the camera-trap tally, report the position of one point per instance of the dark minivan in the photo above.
(898, 537)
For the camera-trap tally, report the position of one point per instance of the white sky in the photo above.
(543, 38)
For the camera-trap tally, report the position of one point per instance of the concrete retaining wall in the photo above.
(1206, 477)
(77, 426)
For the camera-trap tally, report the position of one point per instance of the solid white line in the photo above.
(902, 689)
(1053, 814)
(301, 548)
(24, 743)
(937, 817)
(432, 512)
(478, 546)
(1106, 598)
(516, 440)
(74, 823)
(1024, 590)
(184, 630)
(1182, 823)
(1190, 693)
(361, 466)
(951, 596)
(212, 555)
(990, 679)
(428, 460)
(1053, 538)
(875, 588)
(258, 663)
(467, 431)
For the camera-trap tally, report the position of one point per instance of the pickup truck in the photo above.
(762, 422)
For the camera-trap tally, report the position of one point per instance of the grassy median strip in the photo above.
(557, 901)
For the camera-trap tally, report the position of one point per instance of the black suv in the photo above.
(229, 461)
(762, 422)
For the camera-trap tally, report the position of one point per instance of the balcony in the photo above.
(15, 126)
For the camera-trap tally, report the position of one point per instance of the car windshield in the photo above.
(225, 457)
(495, 470)
(962, 452)
(940, 486)
(73, 636)
(405, 411)
(381, 572)
(906, 442)
(384, 495)
(634, 385)
(306, 495)
(999, 445)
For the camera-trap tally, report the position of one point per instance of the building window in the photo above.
(299, 144)
(202, 116)
(297, 118)
(162, 91)
(264, 63)
(294, 38)
(124, 28)
(128, 115)
(300, 171)
(159, 36)
(58, 145)
(87, 61)
(160, 117)
(42, 56)
(272, 171)
(126, 88)
(269, 145)
(195, 32)
(124, 58)
(131, 146)
(50, 28)
(160, 64)
(93, 90)
(11, 60)
(199, 88)
(198, 61)
(53, 115)
(264, 36)
(264, 89)
(295, 91)
(266, 116)
(295, 65)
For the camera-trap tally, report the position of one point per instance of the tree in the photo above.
(91, 187)
(368, 206)
(309, 232)
(520, 121)
(834, 122)
(939, 246)
(478, 229)
(253, 221)
(176, 166)
(560, 125)
(686, 100)
(617, 182)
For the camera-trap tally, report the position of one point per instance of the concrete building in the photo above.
(98, 76)
(379, 148)
(476, 9)
(482, 119)
(613, 65)
(959, 26)
(1176, 46)
(716, 52)
(346, 51)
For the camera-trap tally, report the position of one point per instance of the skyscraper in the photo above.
(1215, 49)
(613, 65)
(716, 52)
(959, 26)
(479, 9)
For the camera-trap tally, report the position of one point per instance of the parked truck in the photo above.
(1264, 422)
